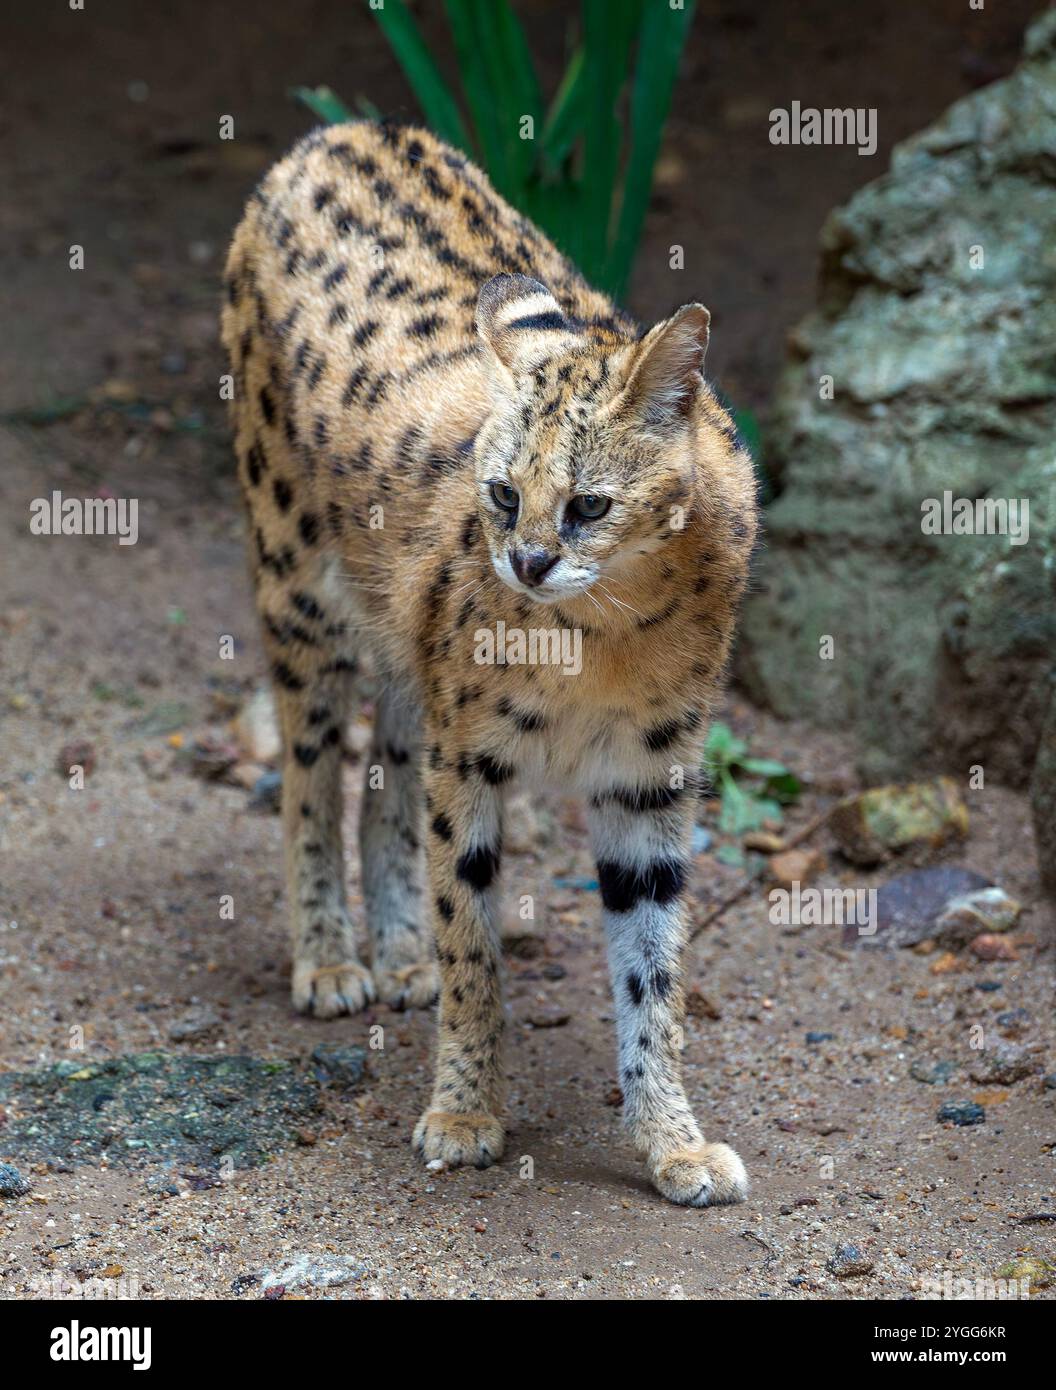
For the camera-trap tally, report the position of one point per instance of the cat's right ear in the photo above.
(520, 321)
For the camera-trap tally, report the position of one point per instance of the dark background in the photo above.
(153, 194)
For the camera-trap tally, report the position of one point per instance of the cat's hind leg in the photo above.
(392, 856)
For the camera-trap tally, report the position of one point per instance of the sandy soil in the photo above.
(110, 923)
(108, 896)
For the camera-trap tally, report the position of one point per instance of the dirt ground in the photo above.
(108, 896)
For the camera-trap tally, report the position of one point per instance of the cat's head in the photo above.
(586, 462)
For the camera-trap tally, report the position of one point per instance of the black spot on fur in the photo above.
(285, 677)
(661, 736)
(623, 888)
(442, 827)
(478, 867)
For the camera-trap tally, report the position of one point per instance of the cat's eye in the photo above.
(588, 506)
(504, 496)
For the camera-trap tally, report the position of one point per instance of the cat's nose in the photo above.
(532, 564)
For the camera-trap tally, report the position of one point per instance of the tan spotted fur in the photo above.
(402, 341)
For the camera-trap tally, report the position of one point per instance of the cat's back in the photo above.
(366, 247)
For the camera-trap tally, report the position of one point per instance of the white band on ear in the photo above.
(521, 321)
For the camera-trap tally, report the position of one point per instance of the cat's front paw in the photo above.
(706, 1175)
(459, 1140)
(327, 991)
(409, 986)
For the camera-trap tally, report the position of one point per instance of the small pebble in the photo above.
(848, 1261)
(12, 1183)
(961, 1113)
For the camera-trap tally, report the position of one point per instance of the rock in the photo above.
(947, 964)
(314, 1271)
(196, 1024)
(548, 1018)
(266, 796)
(12, 1183)
(875, 824)
(247, 775)
(816, 1039)
(1043, 799)
(1003, 1065)
(932, 1073)
(340, 1066)
(524, 945)
(908, 906)
(256, 728)
(79, 753)
(986, 910)
(848, 1261)
(794, 866)
(963, 1112)
(1050, 1081)
(990, 947)
(698, 1005)
(764, 841)
(943, 375)
(209, 757)
(1039, 1272)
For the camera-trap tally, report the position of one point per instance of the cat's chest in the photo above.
(581, 744)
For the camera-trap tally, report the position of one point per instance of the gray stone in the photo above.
(12, 1183)
(339, 1066)
(847, 1261)
(944, 378)
(314, 1271)
(201, 1021)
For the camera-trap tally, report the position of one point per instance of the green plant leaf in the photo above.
(438, 105)
(467, 19)
(723, 748)
(564, 119)
(324, 103)
(608, 28)
(764, 767)
(785, 788)
(513, 79)
(660, 44)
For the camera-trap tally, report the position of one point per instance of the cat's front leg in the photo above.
(640, 837)
(464, 851)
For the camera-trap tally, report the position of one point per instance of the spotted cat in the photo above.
(443, 433)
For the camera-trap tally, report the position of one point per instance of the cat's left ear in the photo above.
(669, 371)
(521, 321)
